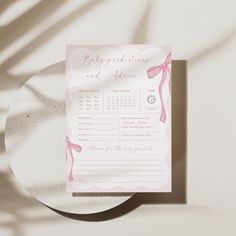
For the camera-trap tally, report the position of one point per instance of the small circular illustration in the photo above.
(151, 99)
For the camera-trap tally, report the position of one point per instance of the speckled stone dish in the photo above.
(35, 143)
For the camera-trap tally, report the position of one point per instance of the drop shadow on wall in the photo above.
(179, 156)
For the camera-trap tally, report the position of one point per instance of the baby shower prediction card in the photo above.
(118, 118)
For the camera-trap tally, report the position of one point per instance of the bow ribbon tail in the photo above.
(170, 84)
(163, 111)
(70, 162)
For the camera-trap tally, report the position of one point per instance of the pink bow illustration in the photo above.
(70, 156)
(153, 71)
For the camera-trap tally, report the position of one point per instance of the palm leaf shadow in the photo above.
(28, 20)
(141, 30)
(213, 47)
(49, 33)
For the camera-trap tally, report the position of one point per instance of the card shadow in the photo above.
(179, 157)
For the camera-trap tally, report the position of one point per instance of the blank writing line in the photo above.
(127, 170)
(141, 132)
(118, 160)
(95, 140)
(107, 182)
(94, 129)
(103, 118)
(98, 134)
(151, 140)
(122, 175)
(117, 165)
(96, 123)
(104, 140)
